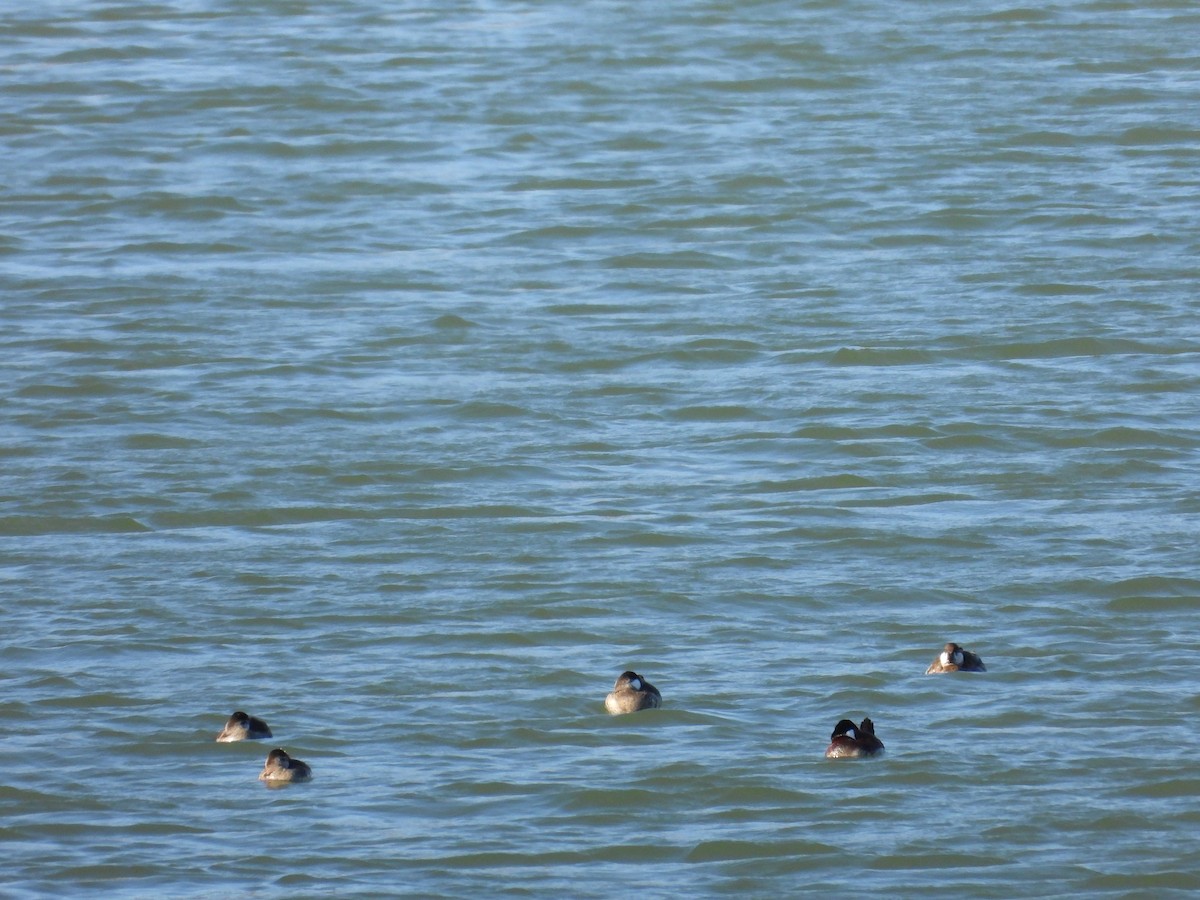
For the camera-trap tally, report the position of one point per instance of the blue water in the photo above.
(402, 374)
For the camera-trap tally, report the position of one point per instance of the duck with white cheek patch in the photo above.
(631, 693)
(955, 659)
(850, 741)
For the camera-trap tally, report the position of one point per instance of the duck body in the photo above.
(631, 693)
(280, 767)
(849, 740)
(955, 659)
(242, 727)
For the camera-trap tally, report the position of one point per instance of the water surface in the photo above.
(402, 373)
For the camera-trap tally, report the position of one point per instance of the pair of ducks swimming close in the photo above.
(632, 693)
(279, 767)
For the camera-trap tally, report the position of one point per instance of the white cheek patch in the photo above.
(635, 683)
(945, 658)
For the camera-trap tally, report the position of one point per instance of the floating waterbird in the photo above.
(281, 767)
(242, 727)
(849, 740)
(631, 693)
(955, 659)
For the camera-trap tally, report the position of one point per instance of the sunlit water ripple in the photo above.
(402, 373)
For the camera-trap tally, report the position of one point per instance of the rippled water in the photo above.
(402, 373)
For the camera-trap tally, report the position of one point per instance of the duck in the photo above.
(281, 767)
(631, 693)
(850, 740)
(955, 659)
(242, 727)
